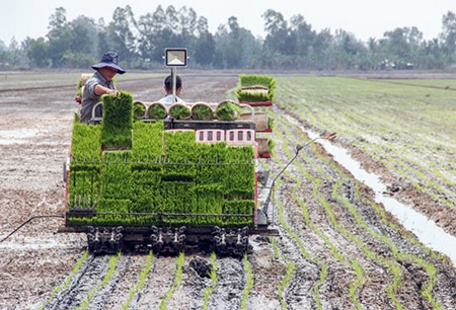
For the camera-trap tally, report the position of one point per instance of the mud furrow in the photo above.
(114, 293)
(87, 278)
(268, 271)
(189, 295)
(231, 280)
(157, 284)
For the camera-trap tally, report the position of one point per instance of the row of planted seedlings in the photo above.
(426, 176)
(147, 175)
(406, 153)
(106, 266)
(374, 114)
(392, 265)
(427, 264)
(146, 278)
(356, 265)
(68, 280)
(305, 249)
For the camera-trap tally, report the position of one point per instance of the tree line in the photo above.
(288, 44)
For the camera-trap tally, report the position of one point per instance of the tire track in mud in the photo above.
(82, 282)
(319, 258)
(268, 272)
(103, 282)
(231, 281)
(157, 284)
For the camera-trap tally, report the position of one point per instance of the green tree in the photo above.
(320, 51)
(37, 52)
(302, 39)
(150, 27)
(188, 26)
(277, 32)
(60, 38)
(347, 52)
(85, 36)
(203, 51)
(234, 45)
(120, 34)
(402, 45)
(448, 36)
(432, 55)
(102, 38)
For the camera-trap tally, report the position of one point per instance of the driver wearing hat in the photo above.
(99, 84)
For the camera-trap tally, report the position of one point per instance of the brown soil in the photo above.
(35, 135)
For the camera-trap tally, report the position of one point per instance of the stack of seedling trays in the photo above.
(258, 91)
(136, 174)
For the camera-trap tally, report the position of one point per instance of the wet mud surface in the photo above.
(337, 249)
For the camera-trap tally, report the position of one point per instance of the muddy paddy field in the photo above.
(339, 247)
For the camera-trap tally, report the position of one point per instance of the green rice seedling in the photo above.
(248, 287)
(323, 273)
(254, 93)
(116, 175)
(146, 191)
(283, 284)
(148, 144)
(275, 247)
(142, 280)
(180, 152)
(179, 111)
(180, 261)
(83, 189)
(79, 88)
(110, 272)
(271, 123)
(139, 110)
(239, 207)
(177, 197)
(117, 121)
(209, 199)
(202, 111)
(213, 272)
(213, 275)
(251, 96)
(354, 285)
(157, 111)
(67, 280)
(227, 110)
(85, 144)
(240, 173)
(211, 162)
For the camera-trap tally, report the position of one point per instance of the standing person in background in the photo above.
(169, 90)
(99, 84)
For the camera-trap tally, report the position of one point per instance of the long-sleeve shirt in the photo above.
(89, 98)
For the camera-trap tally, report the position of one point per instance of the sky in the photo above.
(363, 18)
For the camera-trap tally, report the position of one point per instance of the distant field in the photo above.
(17, 80)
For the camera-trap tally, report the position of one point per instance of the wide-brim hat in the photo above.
(109, 59)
